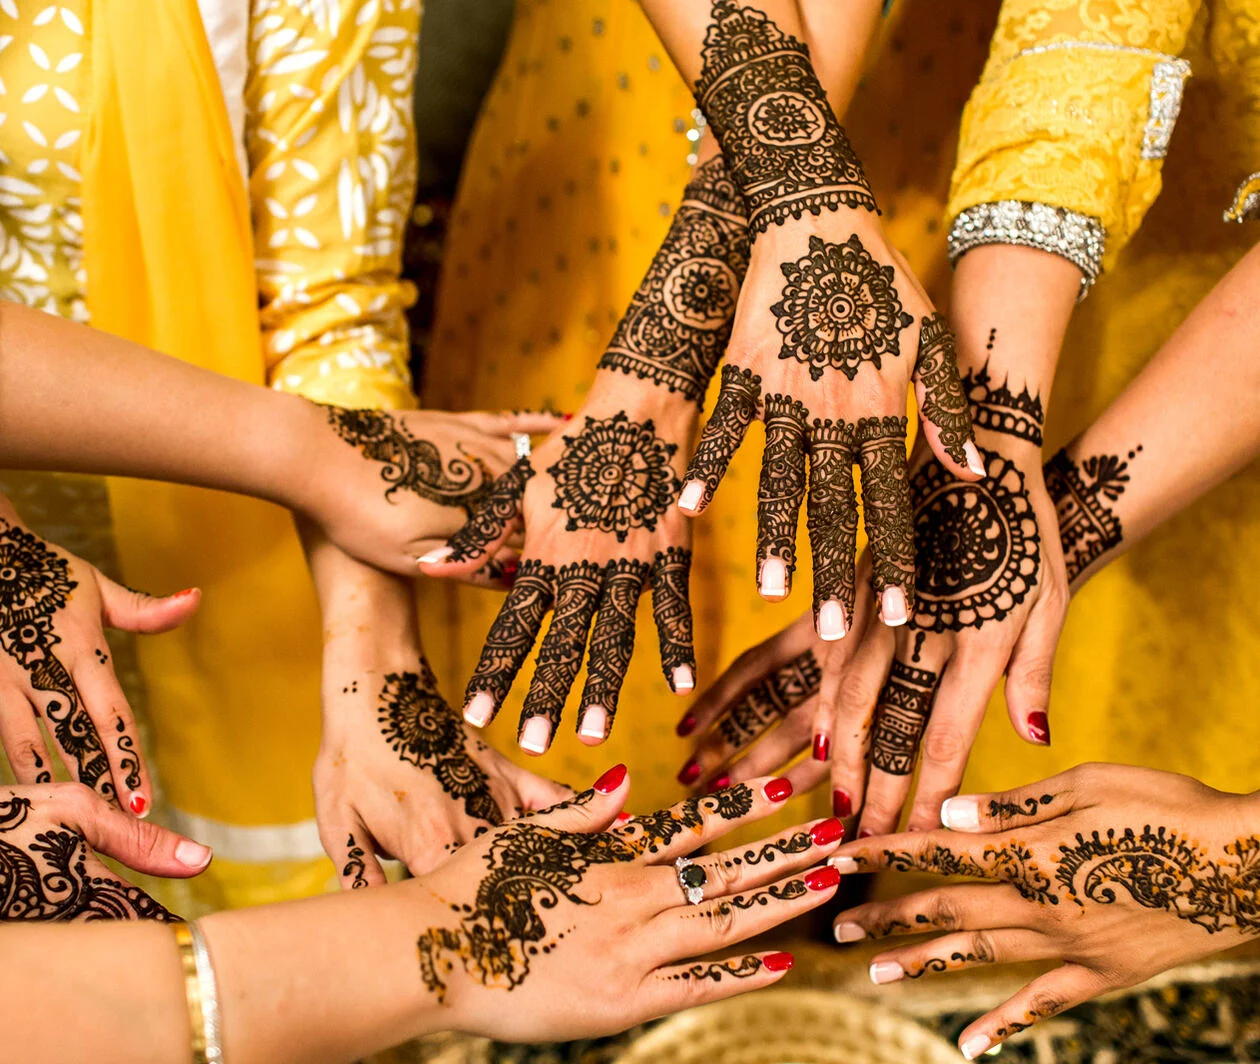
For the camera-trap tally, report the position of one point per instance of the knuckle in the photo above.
(941, 912)
(725, 876)
(945, 746)
(77, 800)
(722, 919)
(1042, 1004)
(981, 949)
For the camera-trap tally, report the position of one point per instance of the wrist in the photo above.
(674, 415)
(295, 454)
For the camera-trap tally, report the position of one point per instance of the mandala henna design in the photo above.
(560, 656)
(839, 309)
(901, 715)
(425, 732)
(782, 487)
(615, 475)
(501, 506)
(774, 697)
(944, 402)
(612, 638)
(355, 866)
(671, 609)
(736, 408)
(679, 321)
(512, 635)
(786, 151)
(1088, 527)
(886, 503)
(977, 548)
(832, 512)
(995, 408)
(719, 970)
(411, 464)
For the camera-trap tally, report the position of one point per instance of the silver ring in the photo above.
(691, 880)
(521, 441)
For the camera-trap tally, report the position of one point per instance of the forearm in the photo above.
(839, 36)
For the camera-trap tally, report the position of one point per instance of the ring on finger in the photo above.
(522, 443)
(691, 879)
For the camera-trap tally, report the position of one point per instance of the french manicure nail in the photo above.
(479, 710)
(826, 832)
(778, 789)
(690, 773)
(1039, 728)
(594, 722)
(849, 932)
(886, 972)
(611, 780)
(974, 462)
(686, 726)
(436, 555)
(778, 962)
(961, 814)
(893, 607)
(192, 854)
(723, 780)
(841, 803)
(975, 1046)
(773, 578)
(536, 735)
(822, 878)
(138, 805)
(822, 747)
(689, 498)
(831, 623)
(846, 866)
(684, 679)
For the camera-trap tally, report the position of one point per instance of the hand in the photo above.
(48, 867)
(55, 662)
(1119, 872)
(589, 927)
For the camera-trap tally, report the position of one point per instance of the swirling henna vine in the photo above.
(679, 321)
(512, 635)
(35, 585)
(501, 506)
(782, 487)
(615, 475)
(736, 408)
(901, 716)
(655, 832)
(935, 965)
(128, 761)
(887, 513)
(839, 309)
(944, 401)
(1030, 807)
(355, 866)
(774, 697)
(832, 513)
(1088, 527)
(977, 548)
(560, 656)
(410, 464)
(719, 970)
(1046, 1009)
(425, 732)
(1012, 863)
(671, 609)
(786, 151)
(612, 638)
(796, 843)
(995, 408)
(793, 888)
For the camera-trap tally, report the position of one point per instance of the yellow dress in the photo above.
(318, 100)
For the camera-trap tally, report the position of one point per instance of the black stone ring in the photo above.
(691, 878)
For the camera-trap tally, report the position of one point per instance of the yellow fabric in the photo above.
(1065, 127)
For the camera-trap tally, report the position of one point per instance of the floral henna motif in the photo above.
(501, 506)
(831, 512)
(512, 635)
(355, 866)
(774, 697)
(782, 486)
(735, 409)
(612, 639)
(901, 715)
(615, 475)
(655, 832)
(1088, 527)
(560, 656)
(786, 151)
(886, 502)
(839, 309)
(671, 609)
(944, 403)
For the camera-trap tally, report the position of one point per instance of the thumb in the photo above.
(140, 844)
(134, 611)
(591, 810)
(537, 793)
(1029, 671)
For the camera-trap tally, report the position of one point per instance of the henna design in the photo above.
(944, 402)
(1047, 1008)
(719, 970)
(653, 833)
(1012, 863)
(413, 465)
(934, 965)
(560, 656)
(671, 609)
(129, 761)
(774, 697)
(514, 630)
(501, 506)
(786, 151)
(735, 409)
(782, 487)
(831, 512)
(355, 865)
(996, 408)
(679, 321)
(839, 309)
(1088, 528)
(901, 716)
(793, 888)
(886, 503)
(425, 732)
(615, 475)
(612, 639)
(796, 843)
(1029, 807)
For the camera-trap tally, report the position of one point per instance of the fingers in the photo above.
(134, 611)
(560, 656)
(1003, 810)
(487, 529)
(964, 907)
(735, 409)
(671, 609)
(1047, 995)
(954, 953)
(780, 494)
(767, 753)
(889, 518)
(509, 641)
(612, 645)
(22, 740)
(355, 859)
(942, 402)
(138, 844)
(1029, 671)
(71, 727)
(106, 705)
(591, 810)
(832, 517)
(535, 792)
(673, 988)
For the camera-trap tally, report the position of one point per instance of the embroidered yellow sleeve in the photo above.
(1074, 109)
(331, 147)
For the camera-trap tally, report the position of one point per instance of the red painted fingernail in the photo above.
(686, 726)
(185, 593)
(865, 833)
(841, 803)
(568, 417)
(822, 878)
(510, 569)
(778, 789)
(827, 832)
(690, 772)
(716, 785)
(611, 780)
(623, 817)
(822, 747)
(1039, 728)
(138, 804)
(778, 962)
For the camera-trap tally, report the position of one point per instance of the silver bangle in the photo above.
(1246, 205)
(209, 996)
(1079, 238)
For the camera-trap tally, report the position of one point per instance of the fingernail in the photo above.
(139, 805)
(686, 726)
(192, 854)
(841, 803)
(847, 932)
(479, 710)
(846, 866)
(623, 818)
(689, 498)
(536, 735)
(1039, 728)
(436, 555)
(865, 833)
(831, 624)
(185, 593)
(975, 1045)
(690, 773)
(974, 462)
(594, 722)
(961, 814)
(827, 832)
(510, 569)
(567, 417)
(822, 747)
(893, 607)
(723, 780)
(778, 789)
(684, 679)
(773, 578)
(610, 780)
(822, 878)
(778, 962)
(886, 972)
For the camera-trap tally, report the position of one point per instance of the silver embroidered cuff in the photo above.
(1079, 238)
(1246, 205)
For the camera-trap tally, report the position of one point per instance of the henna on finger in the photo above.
(771, 700)
(738, 400)
(512, 635)
(612, 638)
(501, 506)
(560, 656)
(832, 514)
(355, 868)
(671, 609)
(901, 715)
(782, 486)
(944, 401)
(886, 501)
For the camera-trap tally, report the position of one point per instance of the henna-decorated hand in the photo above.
(49, 837)
(54, 660)
(587, 926)
(1119, 872)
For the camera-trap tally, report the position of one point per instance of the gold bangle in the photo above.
(192, 991)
